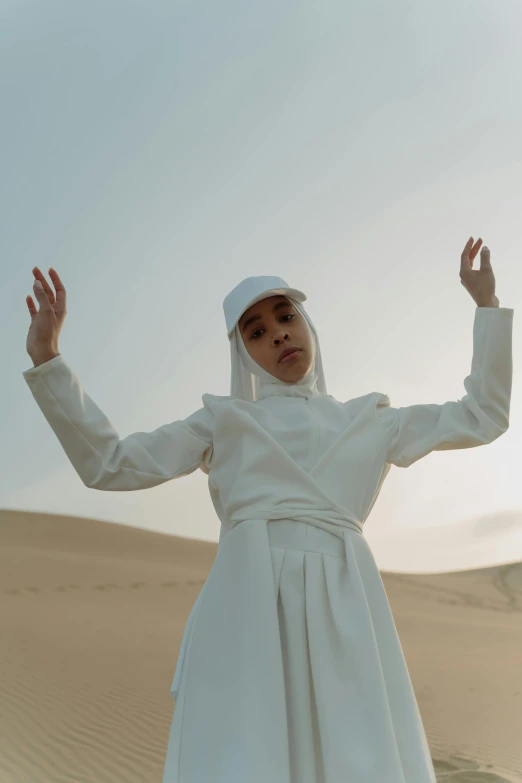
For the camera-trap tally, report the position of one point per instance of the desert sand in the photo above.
(92, 616)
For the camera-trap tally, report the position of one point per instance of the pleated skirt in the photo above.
(308, 563)
(351, 712)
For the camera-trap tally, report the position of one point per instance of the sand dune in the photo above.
(92, 615)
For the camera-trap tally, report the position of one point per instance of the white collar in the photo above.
(274, 387)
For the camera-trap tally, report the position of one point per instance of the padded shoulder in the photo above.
(382, 400)
(357, 404)
(214, 399)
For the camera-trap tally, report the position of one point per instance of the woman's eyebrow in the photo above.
(257, 317)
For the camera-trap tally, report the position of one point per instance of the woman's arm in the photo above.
(101, 459)
(480, 417)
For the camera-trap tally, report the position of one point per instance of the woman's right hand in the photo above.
(47, 322)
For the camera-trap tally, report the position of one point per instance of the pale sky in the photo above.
(156, 153)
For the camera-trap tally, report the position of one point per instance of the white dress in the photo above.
(290, 668)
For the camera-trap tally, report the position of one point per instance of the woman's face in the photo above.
(271, 326)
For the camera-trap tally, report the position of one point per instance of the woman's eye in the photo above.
(288, 315)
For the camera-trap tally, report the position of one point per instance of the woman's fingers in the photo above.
(59, 286)
(58, 302)
(31, 305)
(485, 258)
(46, 287)
(468, 254)
(42, 297)
(475, 249)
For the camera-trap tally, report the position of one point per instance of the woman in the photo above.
(290, 668)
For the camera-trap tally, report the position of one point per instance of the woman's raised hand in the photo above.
(47, 322)
(480, 283)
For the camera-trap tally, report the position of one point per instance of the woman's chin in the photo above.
(292, 374)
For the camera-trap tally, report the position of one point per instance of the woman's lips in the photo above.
(290, 356)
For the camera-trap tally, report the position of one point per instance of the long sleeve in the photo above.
(480, 417)
(101, 459)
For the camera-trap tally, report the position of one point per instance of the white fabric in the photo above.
(290, 668)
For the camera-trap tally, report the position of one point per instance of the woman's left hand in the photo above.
(480, 283)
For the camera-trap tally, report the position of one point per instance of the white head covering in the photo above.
(248, 379)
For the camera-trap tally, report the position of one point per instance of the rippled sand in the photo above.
(92, 615)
